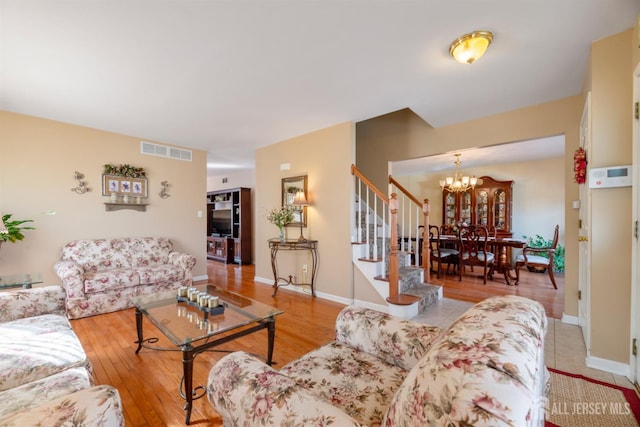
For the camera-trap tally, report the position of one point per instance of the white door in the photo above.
(635, 247)
(584, 258)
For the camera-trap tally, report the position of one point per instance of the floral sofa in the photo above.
(45, 376)
(102, 275)
(486, 369)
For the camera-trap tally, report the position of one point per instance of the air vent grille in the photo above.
(165, 151)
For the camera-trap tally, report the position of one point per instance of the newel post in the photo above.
(426, 243)
(393, 245)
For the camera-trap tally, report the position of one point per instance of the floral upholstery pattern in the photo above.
(27, 345)
(45, 376)
(487, 369)
(20, 303)
(101, 275)
(48, 388)
(96, 406)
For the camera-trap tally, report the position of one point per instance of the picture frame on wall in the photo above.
(121, 185)
(290, 186)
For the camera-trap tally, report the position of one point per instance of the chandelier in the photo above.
(458, 183)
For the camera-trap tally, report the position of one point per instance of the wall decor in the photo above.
(580, 166)
(124, 170)
(290, 186)
(122, 185)
(82, 186)
(163, 192)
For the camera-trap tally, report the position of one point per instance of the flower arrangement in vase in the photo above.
(280, 217)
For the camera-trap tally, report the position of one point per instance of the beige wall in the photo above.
(611, 223)
(39, 159)
(325, 156)
(402, 135)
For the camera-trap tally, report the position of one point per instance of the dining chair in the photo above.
(539, 258)
(439, 253)
(473, 243)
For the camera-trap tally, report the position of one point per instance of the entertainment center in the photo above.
(229, 225)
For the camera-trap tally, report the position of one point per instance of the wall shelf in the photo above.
(140, 207)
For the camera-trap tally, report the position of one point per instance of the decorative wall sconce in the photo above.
(163, 192)
(82, 186)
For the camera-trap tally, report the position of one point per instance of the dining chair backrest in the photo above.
(473, 243)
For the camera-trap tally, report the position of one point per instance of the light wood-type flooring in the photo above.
(148, 382)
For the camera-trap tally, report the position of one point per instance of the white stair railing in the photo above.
(399, 224)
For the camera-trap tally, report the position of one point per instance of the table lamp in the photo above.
(300, 201)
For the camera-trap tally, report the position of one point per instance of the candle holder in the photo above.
(219, 309)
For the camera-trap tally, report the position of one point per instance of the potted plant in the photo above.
(558, 258)
(280, 217)
(13, 230)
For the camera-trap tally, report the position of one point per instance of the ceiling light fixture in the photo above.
(468, 48)
(458, 183)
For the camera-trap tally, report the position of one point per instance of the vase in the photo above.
(281, 234)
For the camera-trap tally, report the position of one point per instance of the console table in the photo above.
(293, 245)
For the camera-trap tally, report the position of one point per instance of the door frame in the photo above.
(584, 234)
(635, 247)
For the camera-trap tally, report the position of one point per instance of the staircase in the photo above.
(406, 292)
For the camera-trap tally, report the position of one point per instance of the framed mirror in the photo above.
(290, 186)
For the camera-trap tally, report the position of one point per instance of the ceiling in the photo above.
(514, 152)
(231, 76)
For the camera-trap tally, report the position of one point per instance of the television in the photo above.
(220, 223)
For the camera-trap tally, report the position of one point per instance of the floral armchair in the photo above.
(487, 369)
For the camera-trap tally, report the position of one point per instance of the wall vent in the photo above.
(165, 151)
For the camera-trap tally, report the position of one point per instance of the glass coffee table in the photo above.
(10, 281)
(194, 328)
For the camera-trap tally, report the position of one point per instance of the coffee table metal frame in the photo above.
(191, 347)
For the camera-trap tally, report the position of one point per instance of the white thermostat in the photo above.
(613, 176)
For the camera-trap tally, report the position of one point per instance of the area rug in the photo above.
(577, 401)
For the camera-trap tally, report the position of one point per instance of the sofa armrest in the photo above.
(72, 275)
(184, 261)
(96, 406)
(396, 341)
(20, 303)
(246, 391)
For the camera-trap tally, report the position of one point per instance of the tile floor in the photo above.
(564, 346)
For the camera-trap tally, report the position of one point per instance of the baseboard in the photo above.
(304, 290)
(366, 304)
(199, 278)
(570, 320)
(608, 366)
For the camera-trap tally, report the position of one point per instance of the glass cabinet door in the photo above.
(465, 208)
(500, 209)
(450, 209)
(482, 206)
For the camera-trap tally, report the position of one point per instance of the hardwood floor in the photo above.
(148, 382)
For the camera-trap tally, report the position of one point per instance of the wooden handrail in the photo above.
(405, 191)
(355, 171)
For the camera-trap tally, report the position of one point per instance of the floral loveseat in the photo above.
(45, 376)
(486, 369)
(102, 275)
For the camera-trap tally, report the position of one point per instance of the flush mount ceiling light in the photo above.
(470, 47)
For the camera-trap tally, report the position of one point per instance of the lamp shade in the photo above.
(470, 47)
(300, 199)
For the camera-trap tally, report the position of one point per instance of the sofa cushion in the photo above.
(166, 273)
(98, 254)
(360, 384)
(34, 393)
(148, 251)
(36, 347)
(109, 280)
(95, 406)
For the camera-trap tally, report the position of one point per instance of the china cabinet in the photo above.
(489, 203)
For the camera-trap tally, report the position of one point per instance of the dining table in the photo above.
(499, 245)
